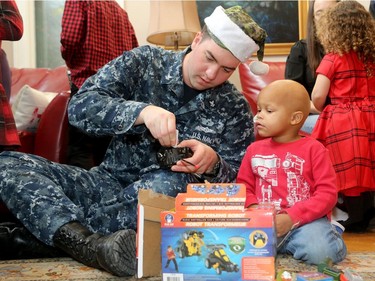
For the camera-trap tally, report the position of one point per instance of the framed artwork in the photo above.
(284, 21)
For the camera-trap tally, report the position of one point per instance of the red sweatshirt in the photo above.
(297, 177)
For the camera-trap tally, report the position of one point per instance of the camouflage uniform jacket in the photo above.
(110, 101)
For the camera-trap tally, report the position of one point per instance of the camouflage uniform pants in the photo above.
(44, 195)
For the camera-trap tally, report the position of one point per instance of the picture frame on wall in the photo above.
(284, 21)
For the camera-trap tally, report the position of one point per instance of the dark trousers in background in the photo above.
(360, 210)
(83, 150)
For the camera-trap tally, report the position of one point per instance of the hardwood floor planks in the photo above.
(360, 242)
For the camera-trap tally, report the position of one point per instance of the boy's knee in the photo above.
(319, 253)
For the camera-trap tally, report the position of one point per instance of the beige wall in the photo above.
(138, 10)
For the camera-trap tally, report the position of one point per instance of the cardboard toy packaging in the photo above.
(210, 236)
(150, 205)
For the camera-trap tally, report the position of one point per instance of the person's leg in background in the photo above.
(360, 210)
(83, 150)
(5, 73)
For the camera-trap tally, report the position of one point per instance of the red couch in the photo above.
(252, 84)
(51, 137)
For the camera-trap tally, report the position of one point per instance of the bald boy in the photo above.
(294, 174)
(283, 107)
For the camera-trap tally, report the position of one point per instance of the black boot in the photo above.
(115, 253)
(16, 242)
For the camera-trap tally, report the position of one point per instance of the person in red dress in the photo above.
(11, 28)
(346, 126)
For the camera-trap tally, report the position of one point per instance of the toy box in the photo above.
(210, 236)
(150, 204)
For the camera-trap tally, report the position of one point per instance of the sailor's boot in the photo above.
(115, 253)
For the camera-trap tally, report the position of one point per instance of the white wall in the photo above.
(22, 53)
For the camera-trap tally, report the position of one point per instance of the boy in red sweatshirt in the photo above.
(294, 173)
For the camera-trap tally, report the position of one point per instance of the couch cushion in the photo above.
(28, 107)
(252, 84)
(43, 79)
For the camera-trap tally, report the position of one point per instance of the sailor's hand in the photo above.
(203, 160)
(161, 123)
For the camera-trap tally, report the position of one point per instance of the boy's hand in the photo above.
(283, 224)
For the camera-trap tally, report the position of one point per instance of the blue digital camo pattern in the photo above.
(46, 195)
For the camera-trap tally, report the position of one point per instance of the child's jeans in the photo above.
(314, 243)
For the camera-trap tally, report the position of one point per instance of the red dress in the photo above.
(347, 125)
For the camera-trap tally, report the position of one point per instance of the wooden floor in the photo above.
(357, 242)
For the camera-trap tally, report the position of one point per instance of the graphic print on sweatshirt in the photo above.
(272, 172)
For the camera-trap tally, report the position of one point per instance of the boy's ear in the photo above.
(297, 117)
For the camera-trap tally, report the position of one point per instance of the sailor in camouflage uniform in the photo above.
(140, 98)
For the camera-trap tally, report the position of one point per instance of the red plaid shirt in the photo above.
(8, 132)
(11, 24)
(11, 28)
(93, 33)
